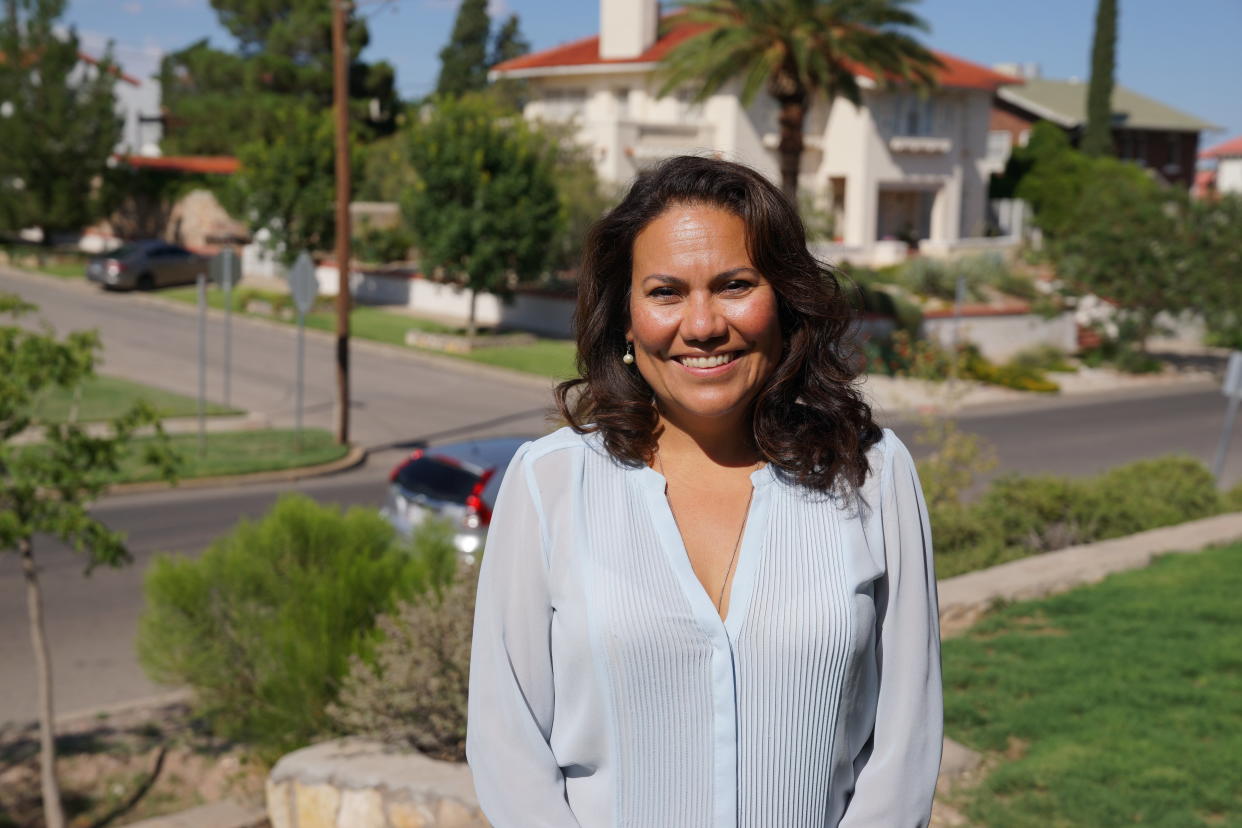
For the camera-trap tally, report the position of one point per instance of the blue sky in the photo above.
(1184, 54)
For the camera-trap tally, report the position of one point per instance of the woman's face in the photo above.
(703, 321)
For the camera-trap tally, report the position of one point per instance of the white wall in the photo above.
(1229, 175)
(1000, 337)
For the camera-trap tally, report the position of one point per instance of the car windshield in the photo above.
(127, 250)
(437, 479)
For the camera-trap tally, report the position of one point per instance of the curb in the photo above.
(965, 598)
(356, 456)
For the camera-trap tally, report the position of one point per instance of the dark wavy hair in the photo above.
(809, 419)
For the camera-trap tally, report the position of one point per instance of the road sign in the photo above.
(1233, 390)
(1233, 376)
(303, 284)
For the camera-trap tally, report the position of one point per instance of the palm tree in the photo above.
(796, 49)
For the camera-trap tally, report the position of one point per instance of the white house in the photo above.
(900, 168)
(1227, 175)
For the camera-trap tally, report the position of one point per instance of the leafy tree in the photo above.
(1214, 243)
(287, 181)
(46, 487)
(58, 125)
(1126, 241)
(485, 208)
(797, 50)
(1098, 138)
(464, 59)
(582, 196)
(216, 100)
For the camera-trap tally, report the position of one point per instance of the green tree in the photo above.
(464, 59)
(216, 100)
(509, 43)
(58, 125)
(1214, 242)
(286, 183)
(45, 487)
(485, 209)
(798, 50)
(1128, 242)
(1098, 137)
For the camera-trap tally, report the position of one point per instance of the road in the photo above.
(91, 621)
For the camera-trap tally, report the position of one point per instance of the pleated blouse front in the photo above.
(605, 690)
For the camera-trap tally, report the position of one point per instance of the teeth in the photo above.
(707, 362)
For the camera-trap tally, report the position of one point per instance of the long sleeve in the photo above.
(895, 785)
(517, 779)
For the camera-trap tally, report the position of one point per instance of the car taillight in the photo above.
(115, 267)
(396, 470)
(477, 513)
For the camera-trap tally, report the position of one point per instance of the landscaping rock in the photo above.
(352, 783)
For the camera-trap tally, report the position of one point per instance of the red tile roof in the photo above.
(1229, 148)
(211, 164)
(585, 52)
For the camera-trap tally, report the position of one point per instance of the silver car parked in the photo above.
(457, 482)
(144, 265)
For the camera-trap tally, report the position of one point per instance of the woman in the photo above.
(710, 600)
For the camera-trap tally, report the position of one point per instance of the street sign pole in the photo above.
(1232, 389)
(303, 286)
(228, 266)
(202, 364)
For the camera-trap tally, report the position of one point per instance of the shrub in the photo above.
(263, 624)
(413, 692)
(1233, 499)
(1043, 358)
(1020, 516)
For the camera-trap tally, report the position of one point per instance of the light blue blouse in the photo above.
(605, 690)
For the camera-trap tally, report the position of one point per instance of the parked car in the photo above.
(144, 265)
(457, 482)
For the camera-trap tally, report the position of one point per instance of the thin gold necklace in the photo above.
(737, 545)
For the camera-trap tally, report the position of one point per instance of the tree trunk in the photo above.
(53, 811)
(471, 327)
(792, 116)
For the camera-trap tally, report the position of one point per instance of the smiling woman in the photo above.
(709, 601)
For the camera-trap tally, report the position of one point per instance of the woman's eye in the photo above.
(737, 286)
(663, 293)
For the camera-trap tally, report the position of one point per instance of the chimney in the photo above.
(627, 28)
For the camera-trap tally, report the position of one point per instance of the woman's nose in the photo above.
(703, 320)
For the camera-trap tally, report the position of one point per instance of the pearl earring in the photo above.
(628, 359)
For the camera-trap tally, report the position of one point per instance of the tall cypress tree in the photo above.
(1098, 138)
(463, 61)
(509, 42)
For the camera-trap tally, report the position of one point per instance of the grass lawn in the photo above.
(103, 398)
(240, 452)
(547, 357)
(1114, 704)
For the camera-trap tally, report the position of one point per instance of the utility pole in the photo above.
(340, 94)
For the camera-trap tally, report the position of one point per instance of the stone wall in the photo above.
(357, 784)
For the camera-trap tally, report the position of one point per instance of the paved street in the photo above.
(92, 621)
(395, 399)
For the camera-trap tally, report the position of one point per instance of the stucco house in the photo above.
(1149, 132)
(1226, 176)
(900, 170)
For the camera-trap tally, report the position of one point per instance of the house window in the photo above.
(564, 104)
(689, 109)
(622, 96)
(912, 114)
(1000, 142)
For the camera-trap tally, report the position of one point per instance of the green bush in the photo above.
(1233, 499)
(1020, 516)
(1044, 358)
(262, 625)
(413, 692)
